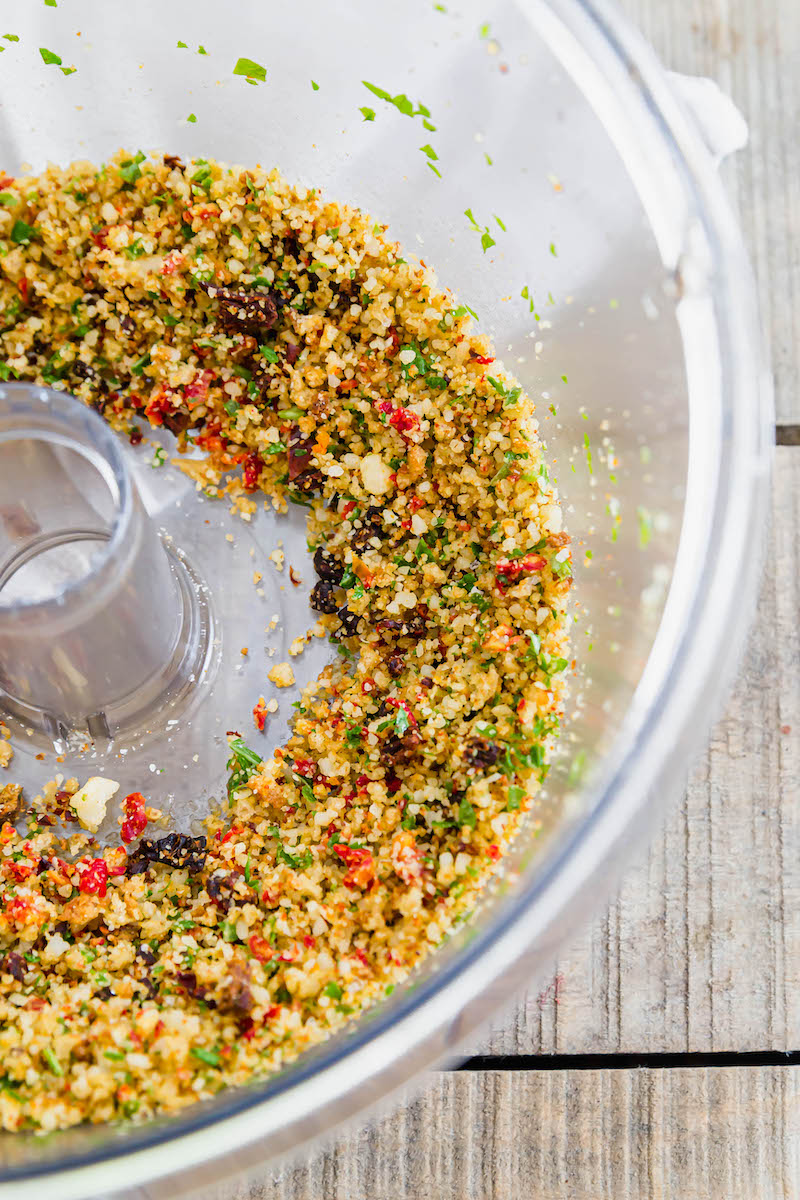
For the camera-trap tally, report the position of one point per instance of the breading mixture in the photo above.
(284, 336)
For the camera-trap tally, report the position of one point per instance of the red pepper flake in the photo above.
(362, 782)
(272, 1012)
(483, 359)
(306, 767)
(309, 941)
(494, 853)
(251, 471)
(348, 507)
(94, 878)
(18, 871)
(511, 570)
(260, 714)
(347, 385)
(99, 238)
(395, 703)
(368, 686)
(360, 864)
(296, 580)
(260, 948)
(135, 821)
(415, 503)
(22, 288)
(173, 262)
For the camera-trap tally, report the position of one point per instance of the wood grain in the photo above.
(683, 1134)
(752, 49)
(701, 949)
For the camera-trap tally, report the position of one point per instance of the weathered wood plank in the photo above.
(752, 49)
(701, 949)
(683, 1134)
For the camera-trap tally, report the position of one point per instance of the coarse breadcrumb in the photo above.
(283, 337)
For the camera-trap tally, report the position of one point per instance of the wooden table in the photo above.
(698, 958)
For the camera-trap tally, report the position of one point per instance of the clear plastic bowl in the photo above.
(615, 222)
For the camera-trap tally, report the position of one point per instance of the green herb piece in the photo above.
(202, 50)
(401, 722)
(253, 71)
(431, 153)
(191, 118)
(466, 813)
(130, 169)
(159, 457)
(273, 448)
(135, 250)
(140, 364)
(269, 354)
(229, 933)
(293, 413)
(553, 250)
(645, 520)
(241, 764)
(367, 113)
(50, 4)
(210, 1057)
(114, 1055)
(315, 85)
(49, 57)
(483, 30)
(231, 407)
(333, 990)
(11, 37)
(22, 234)
(52, 1062)
(9, 199)
(515, 796)
(182, 46)
(499, 222)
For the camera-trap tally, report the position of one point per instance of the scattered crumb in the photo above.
(297, 646)
(90, 802)
(6, 753)
(244, 651)
(281, 675)
(296, 580)
(277, 557)
(257, 577)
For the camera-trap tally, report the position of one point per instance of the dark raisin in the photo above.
(327, 567)
(43, 865)
(146, 955)
(127, 324)
(482, 753)
(105, 993)
(395, 665)
(235, 994)
(350, 622)
(371, 527)
(14, 965)
(173, 162)
(135, 436)
(188, 981)
(244, 312)
(292, 352)
(299, 456)
(174, 850)
(401, 749)
(415, 626)
(322, 597)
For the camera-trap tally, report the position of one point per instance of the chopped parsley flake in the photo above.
(252, 71)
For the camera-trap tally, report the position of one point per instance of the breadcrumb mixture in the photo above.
(284, 339)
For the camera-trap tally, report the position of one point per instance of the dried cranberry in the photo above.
(482, 753)
(292, 352)
(14, 965)
(244, 312)
(395, 665)
(327, 567)
(349, 622)
(322, 597)
(135, 821)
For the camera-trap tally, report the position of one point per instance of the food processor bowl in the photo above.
(538, 157)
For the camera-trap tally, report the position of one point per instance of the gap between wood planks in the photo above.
(626, 1062)
(787, 435)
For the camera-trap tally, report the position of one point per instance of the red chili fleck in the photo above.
(309, 941)
(94, 879)
(395, 339)
(305, 766)
(482, 358)
(99, 238)
(362, 781)
(18, 871)
(412, 720)
(405, 523)
(260, 948)
(403, 420)
(347, 385)
(260, 714)
(272, 1012)
(415, 503)
(494, 853)
(135, 821)
(393, 785)
(22, 288)
(251, 471)
(173, 261)
(360, 864)
(368, 686)
(348, 508)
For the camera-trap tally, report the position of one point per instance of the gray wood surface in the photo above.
(683, 1134)
(752, 49)
(701, 948)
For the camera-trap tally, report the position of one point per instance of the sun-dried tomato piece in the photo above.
(244, 312)
(135, 821)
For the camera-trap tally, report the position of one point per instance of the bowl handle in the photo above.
(722, 125)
